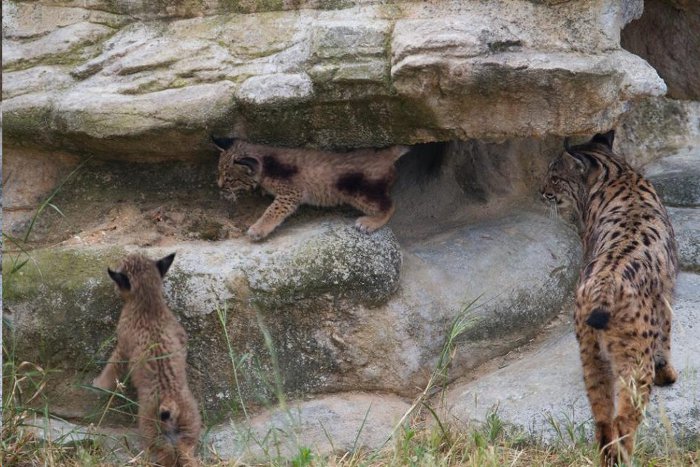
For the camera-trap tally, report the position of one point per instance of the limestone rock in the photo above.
(686, 225)
(54, 46)
(666, 36)
(359, 75)
(657, 127)
(319, 291)
(544, 391)
(337, 423)
(676, 177)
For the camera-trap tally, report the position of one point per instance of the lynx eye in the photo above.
(555, 180)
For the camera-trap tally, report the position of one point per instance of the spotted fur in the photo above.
(152, 350)
(624, 293)
(361, 178)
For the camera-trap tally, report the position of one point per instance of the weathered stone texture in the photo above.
(667, 37)
(102, 77)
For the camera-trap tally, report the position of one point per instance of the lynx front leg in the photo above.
(281, 208)
(114, 369)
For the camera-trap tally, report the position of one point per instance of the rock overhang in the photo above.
(362, 75)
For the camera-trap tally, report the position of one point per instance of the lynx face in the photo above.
(563, 181)
(237, 172)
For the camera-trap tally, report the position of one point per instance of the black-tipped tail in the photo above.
(599, 318)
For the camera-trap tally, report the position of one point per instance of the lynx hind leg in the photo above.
(148, 429)
(165, 456)
(377, 214)
(599, 382)
(190, 430)
(186, 453)
(664, 373)
(634, 370)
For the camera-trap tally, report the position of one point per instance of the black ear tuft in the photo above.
(249, 162)
(567, 144)
(223, 143)
(121, 279)
(605, 138)
(164, 264)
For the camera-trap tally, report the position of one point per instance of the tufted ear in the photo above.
(121, 280)
(250, 162)
(580, 162)
(604, 138)
(164, 264)
(223, 143)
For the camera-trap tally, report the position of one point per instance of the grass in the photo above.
(420, 437)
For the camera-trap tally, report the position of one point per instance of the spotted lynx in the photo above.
(624, 293)
(360, 178)
(152, 349)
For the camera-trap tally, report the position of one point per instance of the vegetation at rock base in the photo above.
(420, 438)
(416, 444)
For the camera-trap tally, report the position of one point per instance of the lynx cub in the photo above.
(360, 178)
(152, 349)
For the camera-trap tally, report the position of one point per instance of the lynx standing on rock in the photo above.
(624, 293)
(360, 178)
(152, 350)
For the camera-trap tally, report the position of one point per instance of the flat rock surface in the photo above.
(544, 389)
(676, 177)
(336, 423)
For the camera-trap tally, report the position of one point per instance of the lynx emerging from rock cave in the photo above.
(152, 350)
(624, 293)
(361, 178)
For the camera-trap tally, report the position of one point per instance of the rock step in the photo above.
(686, 225)
(547, 385)
(337, 423)
(343, 309)
(676, 177)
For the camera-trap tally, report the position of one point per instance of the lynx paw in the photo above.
(256, 234)
(665, 374)
(367, 224)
